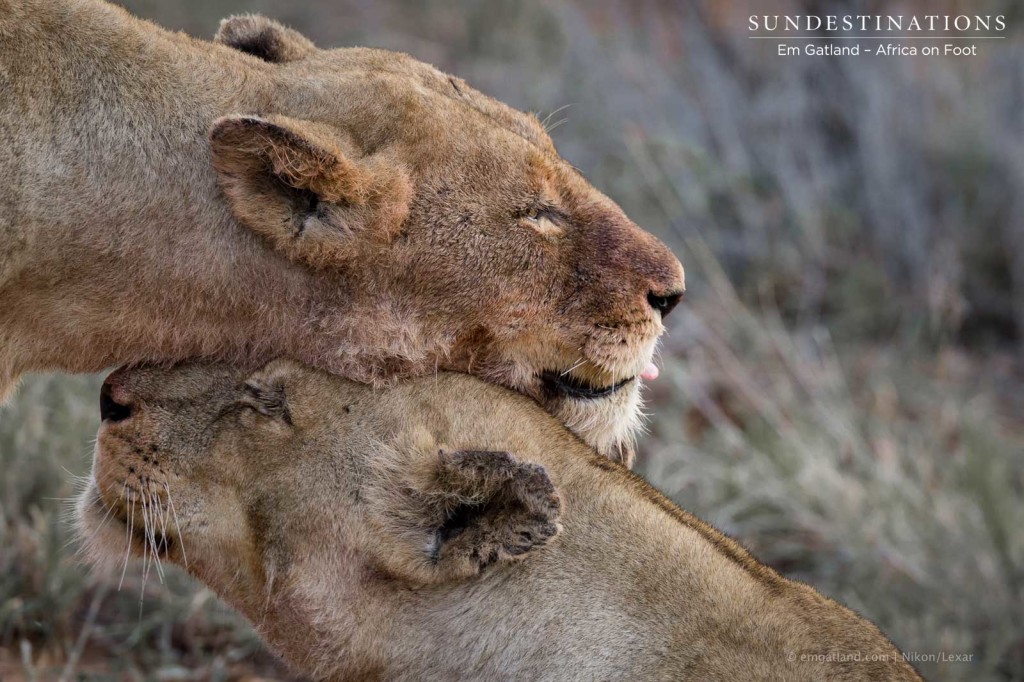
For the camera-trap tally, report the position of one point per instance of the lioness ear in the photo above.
(263, 38)
(463, 512)
(304, 187)
(268, 397)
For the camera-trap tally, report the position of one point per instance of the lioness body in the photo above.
(163, 197)
(373, 535)
(115, 242)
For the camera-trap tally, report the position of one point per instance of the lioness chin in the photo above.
(163, 198)
(388, 534)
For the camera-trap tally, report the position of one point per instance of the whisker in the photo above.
(272, 575)
(74, 476)
(149, 520)
(154, 500)
(154, 549)
(145, 538)
(145, 550)
(581, 361)
(128, 537)
(547, 119)
(556, 124)
(181, 538)
(163, 523)
(102, 524)
(110, 513)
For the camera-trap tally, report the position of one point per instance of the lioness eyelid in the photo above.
(542, 209)
(546, 226)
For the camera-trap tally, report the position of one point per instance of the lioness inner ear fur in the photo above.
(263, 38)
(304, 187)
(268, 397)
(463, 512)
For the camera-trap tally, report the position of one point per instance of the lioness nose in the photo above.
(110, 409)
(664, 303)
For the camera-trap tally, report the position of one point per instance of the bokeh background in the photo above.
(843, 389)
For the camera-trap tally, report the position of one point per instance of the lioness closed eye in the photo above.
(387, 534)
(163, 198)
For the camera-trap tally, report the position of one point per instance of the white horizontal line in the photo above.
(877, 37)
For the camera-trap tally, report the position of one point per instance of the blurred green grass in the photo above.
(843, 389)
(889, 478)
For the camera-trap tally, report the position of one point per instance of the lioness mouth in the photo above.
(574, 387)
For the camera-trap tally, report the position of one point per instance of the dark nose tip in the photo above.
(664, 303)
(110, 409)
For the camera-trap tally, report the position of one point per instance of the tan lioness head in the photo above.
(456, 217)
(231, 447)
(443, 528)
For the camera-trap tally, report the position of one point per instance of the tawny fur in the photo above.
(388, 534)
(164, 198)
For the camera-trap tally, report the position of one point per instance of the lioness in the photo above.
(387, 534)
(163, 197)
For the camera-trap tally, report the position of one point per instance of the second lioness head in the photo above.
(473, 245)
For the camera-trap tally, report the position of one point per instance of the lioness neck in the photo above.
(716, 610)
(632, 588)
(111, 198)
(637, 589)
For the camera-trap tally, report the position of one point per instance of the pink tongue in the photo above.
(650, 372)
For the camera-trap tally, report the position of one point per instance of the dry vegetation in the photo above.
(843, 392)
